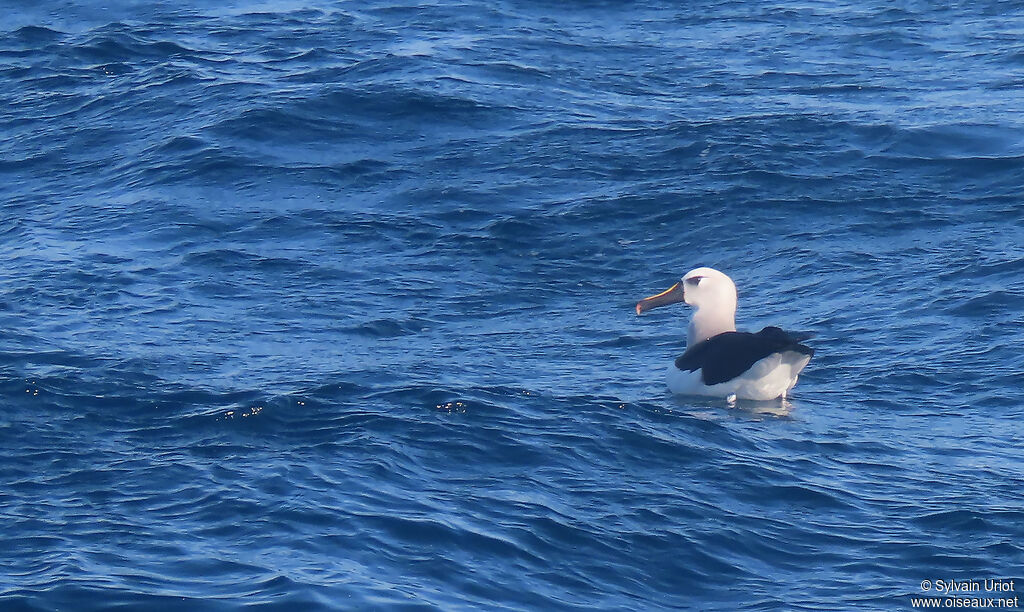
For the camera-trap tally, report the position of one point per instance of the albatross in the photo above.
(720, 361)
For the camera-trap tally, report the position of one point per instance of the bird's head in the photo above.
(700, 288)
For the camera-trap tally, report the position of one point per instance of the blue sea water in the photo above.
(329, 306)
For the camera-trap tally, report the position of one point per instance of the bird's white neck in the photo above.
(708, 322)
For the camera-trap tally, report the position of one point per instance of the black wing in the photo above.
(724, 357)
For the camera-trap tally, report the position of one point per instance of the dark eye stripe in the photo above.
(693, 280)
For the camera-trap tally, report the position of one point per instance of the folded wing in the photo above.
(723, 357)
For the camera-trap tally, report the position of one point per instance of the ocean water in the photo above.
(329, 306)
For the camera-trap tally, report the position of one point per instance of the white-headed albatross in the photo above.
(720, 361)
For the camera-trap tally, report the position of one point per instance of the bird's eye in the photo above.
(693, 280)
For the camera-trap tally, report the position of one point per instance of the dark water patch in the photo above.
(382, 104)
(182, 144)
(390, 328)
(118, 44)
(36, 34)
(990, 303)
(273, 124)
